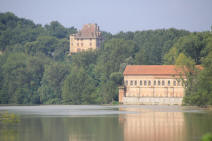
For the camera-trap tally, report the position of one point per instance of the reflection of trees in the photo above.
(153, 126)
(197, 124)
(70, 129)
(94, 128)
(41, 129)
(8, 127)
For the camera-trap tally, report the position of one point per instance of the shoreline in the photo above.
(209, 107)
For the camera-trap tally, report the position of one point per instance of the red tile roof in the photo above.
(153, 70)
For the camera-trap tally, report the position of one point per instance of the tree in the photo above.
(16, 30)
(191, 45)
(171, 57)
(56, 29)
(43, 44)
(21, 78)
(153, 45)
(15, 79)
(201, 94)
(140, 57)
(61, 50)
(117, 78)
(207, 137)
(50, 90)
(3, 94)
(113, 54)
(59, 31)
(78, 87)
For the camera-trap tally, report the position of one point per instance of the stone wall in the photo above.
(152, 100)
(78, 45)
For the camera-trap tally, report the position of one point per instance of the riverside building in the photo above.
(152, 84)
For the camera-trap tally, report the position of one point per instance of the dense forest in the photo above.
(35, 67)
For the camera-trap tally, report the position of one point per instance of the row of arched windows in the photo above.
(152, 83)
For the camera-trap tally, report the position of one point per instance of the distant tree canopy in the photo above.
(35, 67)
(194, 49)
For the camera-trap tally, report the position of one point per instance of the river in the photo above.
(105, 123)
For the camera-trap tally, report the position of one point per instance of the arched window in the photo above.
(131, 82)
(174, 83)
(158, 82)
(135, 82)
(149, 83)
(163, 83)
(154, 82)
(168, 82)
(141, 82)
(144, 82)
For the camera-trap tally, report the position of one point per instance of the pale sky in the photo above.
(116, 15)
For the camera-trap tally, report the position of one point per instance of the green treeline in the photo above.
(35, 67)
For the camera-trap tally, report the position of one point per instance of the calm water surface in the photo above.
(105, 123)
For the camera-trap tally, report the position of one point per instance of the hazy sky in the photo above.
(116, 15)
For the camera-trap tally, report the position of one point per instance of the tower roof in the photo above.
(89, 31)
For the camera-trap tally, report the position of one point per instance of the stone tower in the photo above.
(88, 38)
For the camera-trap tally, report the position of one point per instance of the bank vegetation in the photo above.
(35, 67)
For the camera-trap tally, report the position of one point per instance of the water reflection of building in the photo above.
(153, 126)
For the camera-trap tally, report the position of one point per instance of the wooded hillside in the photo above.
(35, 67)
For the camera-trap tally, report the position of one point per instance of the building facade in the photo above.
(152, 125)
(152, 84)
(88, 38)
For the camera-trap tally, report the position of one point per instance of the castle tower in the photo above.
(88, 38)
